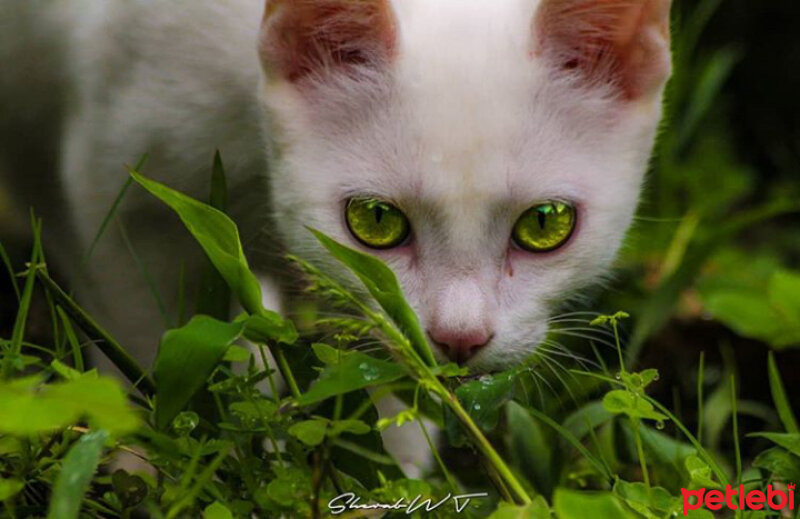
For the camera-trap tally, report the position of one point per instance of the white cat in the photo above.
(491, 152)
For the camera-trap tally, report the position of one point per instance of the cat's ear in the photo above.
(622, 44)
(312, 38)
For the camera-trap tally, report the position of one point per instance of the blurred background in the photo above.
(713, 263)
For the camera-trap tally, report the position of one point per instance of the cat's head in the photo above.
(491, 152)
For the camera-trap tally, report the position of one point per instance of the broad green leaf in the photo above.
(217, 510)
(750, 314)
(186, 359)
(355, 371)
(654, 503)
(538, 509)
(790, 442)
(624, 402)
(256, 410)
(699, 473)
(9, 488)
(29, 408)
(219, 238)
(483, 399)
(310, 432)
(382, 284)
(768, 311)
(328, 355)
(784, 294)
(76, 473)
(573, 504)
(348, 426)
(638, 382)
(781, 464)
(268, 327)
(779, 397)
(291, 488)
(530, 450)
(236, 354)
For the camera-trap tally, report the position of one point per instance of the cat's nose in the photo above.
(460, 345)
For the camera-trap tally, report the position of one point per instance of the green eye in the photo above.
(376, 224)
(545, 227)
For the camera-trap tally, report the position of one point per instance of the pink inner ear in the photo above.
(623, 43)
(308, 37)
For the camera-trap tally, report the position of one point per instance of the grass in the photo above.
(218, 445)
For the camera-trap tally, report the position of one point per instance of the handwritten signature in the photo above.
(350, 501)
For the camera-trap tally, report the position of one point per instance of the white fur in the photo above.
(467, 132)
(464, 133)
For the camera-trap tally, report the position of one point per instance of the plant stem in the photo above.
(735, 419)
(18, 333)
(104, 341)
(640, 453)
(272, 387)
(483, 444)
(619, 347)
(700, 403)
(286, 370)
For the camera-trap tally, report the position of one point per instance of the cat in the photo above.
(490, 152)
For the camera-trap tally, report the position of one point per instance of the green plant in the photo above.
(221, 446)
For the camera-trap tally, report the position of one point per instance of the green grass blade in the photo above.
(779, 397)
(219, 185)
(76, 474)
(10, 269)
(702, 452)
(564, 433)
(18, 333)
(701, 370)
(72, 339)
(104, 340)
(111, 212)
(735, 419)
(148, 278)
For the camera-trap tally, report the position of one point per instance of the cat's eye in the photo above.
(376, 224)
(545, 227)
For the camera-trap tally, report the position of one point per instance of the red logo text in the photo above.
(738, 499)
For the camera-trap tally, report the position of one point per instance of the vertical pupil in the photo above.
(542, 217)
(378, 214)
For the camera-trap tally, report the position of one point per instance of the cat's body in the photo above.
(461, 114)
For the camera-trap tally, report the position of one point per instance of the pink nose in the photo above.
(460, 345)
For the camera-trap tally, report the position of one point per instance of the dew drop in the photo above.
(656, 376)
(368, 372)
(618, 376)
(660, 425)
(477, 407)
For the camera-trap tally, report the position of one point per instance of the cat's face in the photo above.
(491, 153)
